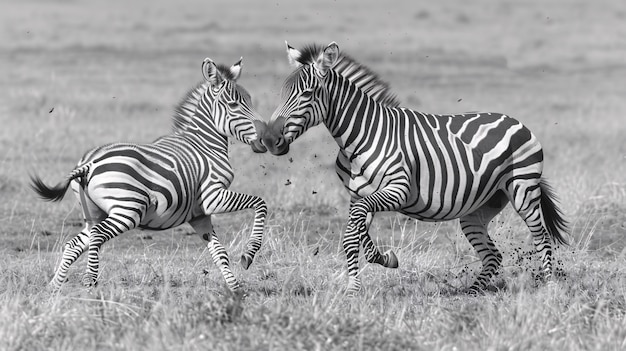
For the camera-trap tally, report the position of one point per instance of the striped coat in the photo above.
(179, 178)
(429, 167)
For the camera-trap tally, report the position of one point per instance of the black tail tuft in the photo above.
(55, 193)
(552, 216)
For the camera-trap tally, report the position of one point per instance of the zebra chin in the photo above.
(260, 128)
(280, 150)
(258, 147)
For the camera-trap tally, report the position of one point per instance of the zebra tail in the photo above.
(552, 215)
(57, 192)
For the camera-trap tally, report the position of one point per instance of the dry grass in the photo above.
(155, 297)
(79, 75)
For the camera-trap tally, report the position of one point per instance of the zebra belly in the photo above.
(425, 219)
(159, 216)
(444, 209)
(430, 215)
(150, 206)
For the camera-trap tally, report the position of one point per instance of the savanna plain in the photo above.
(75, 75)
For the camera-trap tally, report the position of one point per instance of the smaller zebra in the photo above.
(179, 178)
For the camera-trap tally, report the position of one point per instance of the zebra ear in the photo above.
(293, 55)
(235, 69)
(211, 73)
(327, 59)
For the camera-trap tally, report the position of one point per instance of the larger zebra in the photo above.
(429, 167)
(179, 178)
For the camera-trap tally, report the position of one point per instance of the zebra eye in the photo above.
(306, 94)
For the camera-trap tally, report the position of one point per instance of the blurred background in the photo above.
(78, 74)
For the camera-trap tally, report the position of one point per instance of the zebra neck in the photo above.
(350, 112)
(206, 141)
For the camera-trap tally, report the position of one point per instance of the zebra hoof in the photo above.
(475, 290)
(472, 291)
(235, 288)
(354, 287)
(54, 286)
(89, 281)
(352, 293)
(391, 259)
(245, 261)
(238, 291)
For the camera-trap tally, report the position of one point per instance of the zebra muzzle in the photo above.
(274, 140)
(261, 129)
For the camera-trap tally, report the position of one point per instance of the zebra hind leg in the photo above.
(100, 233)
(474, 226)
(71, 252)
(537, 208)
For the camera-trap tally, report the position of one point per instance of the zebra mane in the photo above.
(361, 76)
(185, 111)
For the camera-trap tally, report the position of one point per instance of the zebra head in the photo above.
(229, 105)
(304, 96)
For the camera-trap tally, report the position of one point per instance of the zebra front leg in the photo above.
(230, 201)
(110, 227)
(256, 236)
(220, 257)
(351, 248)
(204, 228)
(390, 198)
(71, 252)
(371, 251)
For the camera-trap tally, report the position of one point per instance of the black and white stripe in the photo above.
(429, 167)
(179, 178)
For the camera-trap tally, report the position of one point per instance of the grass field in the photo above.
(80, 74)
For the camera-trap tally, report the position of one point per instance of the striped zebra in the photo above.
(429, 167)
(179, 178)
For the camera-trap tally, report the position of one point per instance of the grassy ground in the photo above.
(77, 75)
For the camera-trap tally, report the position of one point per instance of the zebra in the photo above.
(182, 177)
(426, 166)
